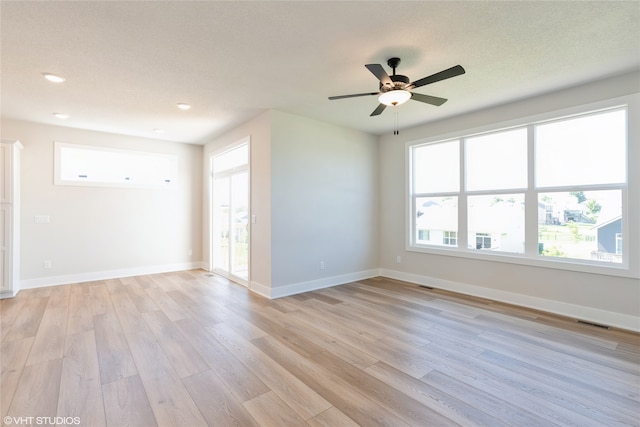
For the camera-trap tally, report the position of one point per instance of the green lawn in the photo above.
(571, 240)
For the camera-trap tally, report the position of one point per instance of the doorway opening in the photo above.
(230, 229)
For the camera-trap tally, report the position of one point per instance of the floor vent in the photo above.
(425, 287)
(597, 325)
(210, 275)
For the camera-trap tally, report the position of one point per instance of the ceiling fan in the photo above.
(396, 89)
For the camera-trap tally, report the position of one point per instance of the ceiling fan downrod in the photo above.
(393, 63)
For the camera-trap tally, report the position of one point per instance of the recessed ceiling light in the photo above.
(61, 116)
(53, 78)
(183, 106)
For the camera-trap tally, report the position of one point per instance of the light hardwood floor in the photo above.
(189, 349)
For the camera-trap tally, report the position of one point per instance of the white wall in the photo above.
(607, 299)
(104, 232)
(324, 194)
(314, 193)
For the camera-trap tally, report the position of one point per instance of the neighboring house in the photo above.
(546, 214)
(437, 223)
(560, 212)
(577, 215)
(609, 236)
(492, 227)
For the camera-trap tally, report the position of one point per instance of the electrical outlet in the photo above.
(46, 264)
(190, 252)
(321, 265)
(398, 259)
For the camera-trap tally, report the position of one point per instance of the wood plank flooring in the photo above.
(192, 349)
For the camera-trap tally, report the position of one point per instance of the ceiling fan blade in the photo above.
(378, 110)
(380, 73)
(428, 99)
(353, 96)
(442, 75)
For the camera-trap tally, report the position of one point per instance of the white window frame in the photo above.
(630, 267)
(170, 174)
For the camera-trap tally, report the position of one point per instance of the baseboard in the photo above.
(312, 285)
(260, 289)
(105, 275)
(7, 294)
(618, 320)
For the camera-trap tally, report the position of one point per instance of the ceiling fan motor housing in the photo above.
(400, 82)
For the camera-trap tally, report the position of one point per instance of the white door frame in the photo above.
(244, 168)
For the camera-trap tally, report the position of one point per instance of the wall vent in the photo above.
(597, 325)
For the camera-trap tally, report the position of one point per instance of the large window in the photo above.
(544, 191)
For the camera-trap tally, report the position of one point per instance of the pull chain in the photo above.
(395, 123)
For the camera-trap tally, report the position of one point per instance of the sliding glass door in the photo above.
(230, 213)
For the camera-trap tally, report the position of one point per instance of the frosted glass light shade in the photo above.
(394, 97)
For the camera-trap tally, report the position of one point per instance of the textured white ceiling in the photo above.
(127, 64)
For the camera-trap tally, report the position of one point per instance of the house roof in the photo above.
(128, 63)
(609, 213)
(605, 223)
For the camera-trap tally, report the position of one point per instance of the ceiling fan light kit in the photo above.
(397, 89)
(394, 97)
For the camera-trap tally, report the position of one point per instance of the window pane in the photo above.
(497, 161)
(220, 222)
(581, 225)
(581, 151)
(437, 221)
(239, 239)
(233, 158)
(496, 222)
(436, 167)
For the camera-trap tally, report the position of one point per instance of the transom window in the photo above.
(86, 165)
(552, 190)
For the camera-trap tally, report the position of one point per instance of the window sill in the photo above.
(581, 266)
